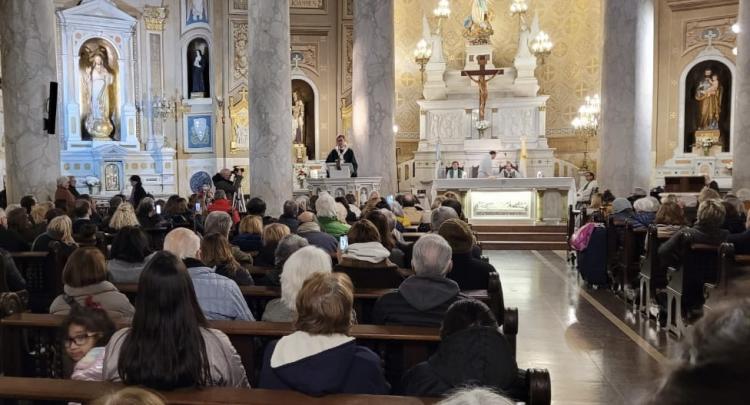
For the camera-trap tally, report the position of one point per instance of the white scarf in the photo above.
(341, 153)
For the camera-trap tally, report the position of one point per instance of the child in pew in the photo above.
(86, 331)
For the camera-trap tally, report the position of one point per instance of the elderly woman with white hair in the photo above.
(63, 192)
(299, 267)
(645, 210)
(328, 219)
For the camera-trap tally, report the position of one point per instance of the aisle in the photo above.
(568, 331)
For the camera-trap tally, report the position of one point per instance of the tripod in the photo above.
(238, 199)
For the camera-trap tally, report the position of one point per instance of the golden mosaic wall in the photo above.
(568, 75)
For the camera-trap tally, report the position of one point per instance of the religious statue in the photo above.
(298, 119)
(477, 27)
(482, 77)
(97, 78)
(197, 11)
(198, 84)
(708, 94)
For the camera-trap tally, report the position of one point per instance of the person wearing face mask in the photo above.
(342, 154)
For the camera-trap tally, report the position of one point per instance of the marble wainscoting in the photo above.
(270, 92)
(27, 42)
(373, 91)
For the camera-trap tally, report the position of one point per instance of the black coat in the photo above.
(419, 301)
(12, 241)
(348, 158)
(478, 356)
(223, 184)
(469, 272)
(138, 194)
(669, 251)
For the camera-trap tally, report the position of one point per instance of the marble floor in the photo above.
(597, 352)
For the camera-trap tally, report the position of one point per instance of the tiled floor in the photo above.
(565, 330)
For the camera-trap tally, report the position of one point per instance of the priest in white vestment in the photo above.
(485, 166)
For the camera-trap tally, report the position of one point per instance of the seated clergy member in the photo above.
(341, 153)
(169, 344)
(320, 357)
(218, 296)
(469, 272)
(455, 172)
(587, 190)
(509, 171)
(422, 299)
(472, 352)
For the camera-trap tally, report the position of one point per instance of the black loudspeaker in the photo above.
(49, 122)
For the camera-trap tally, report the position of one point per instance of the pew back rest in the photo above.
(368, 277)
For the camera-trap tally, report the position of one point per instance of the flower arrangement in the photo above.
(92, 181)
(301, 174)
(482, 125)
(706, 144)
(729, 166)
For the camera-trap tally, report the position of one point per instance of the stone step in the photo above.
(521, 236)
(524, 245)
(520, 228)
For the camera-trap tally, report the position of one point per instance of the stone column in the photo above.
(373, 92)
(627, 96)
(270, 97)
(27, 43)
(741, 134)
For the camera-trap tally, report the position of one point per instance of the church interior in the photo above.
(360, 201)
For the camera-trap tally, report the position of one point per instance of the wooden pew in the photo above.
(699, 262)
(49, 389)
(632, 250)
(649, 267)
(364, 299)
(43, 274)
(731, 266)
(570, 230)
(248, 338)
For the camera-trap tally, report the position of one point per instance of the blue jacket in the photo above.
(345, 368)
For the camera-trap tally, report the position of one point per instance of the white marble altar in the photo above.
(713, 163)
(100, 25)
(449, 114)
(512, 201)
(27, 30)
(361, 187)
(270, 93)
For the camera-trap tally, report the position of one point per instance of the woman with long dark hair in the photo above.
(169, 344)
(138, 192)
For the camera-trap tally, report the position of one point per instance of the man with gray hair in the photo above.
(422, 299)
(289, 215)
(440, 215)
(219, 297)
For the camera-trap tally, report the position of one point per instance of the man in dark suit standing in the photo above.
(342, 154)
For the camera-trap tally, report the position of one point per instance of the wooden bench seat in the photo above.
(48, 389)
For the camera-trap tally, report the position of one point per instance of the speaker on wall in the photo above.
(49, 121)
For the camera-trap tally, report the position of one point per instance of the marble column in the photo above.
(374, 92)
(270, 97)
(741, 134)
(627, 96)
(27, 43)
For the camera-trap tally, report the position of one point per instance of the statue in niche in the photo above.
(708, 95)
(97, 92)
(198, 69)
(708, 104)
(298, 119)
(111, 177)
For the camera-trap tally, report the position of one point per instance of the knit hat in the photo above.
(458, 235)
(621, 204)
(306, 216)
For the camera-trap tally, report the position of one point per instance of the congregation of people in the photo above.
(209, 250)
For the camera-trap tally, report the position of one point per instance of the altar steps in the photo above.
(521, 237)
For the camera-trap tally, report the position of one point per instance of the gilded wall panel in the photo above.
(568, 75)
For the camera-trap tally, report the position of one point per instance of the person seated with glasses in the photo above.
(86, 332)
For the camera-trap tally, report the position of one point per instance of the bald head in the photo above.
(183, 243)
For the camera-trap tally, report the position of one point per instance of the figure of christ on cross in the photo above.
(481, 80)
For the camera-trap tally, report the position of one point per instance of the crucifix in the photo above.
(481, 80)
